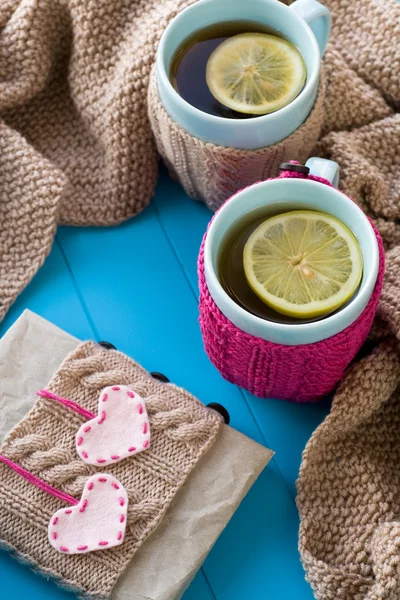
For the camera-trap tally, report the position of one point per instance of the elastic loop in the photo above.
(39, 483)
(68, 403)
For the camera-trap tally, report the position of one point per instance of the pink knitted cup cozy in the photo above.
(303, 373)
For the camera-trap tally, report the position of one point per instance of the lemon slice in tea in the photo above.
(303, 263)
(255, 73)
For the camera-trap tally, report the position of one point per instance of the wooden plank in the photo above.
(140, 301)
(256, 556)
(199, 589)
(52, 295)
(288, 426)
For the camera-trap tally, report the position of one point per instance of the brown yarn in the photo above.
(214, 173)
(44, 443)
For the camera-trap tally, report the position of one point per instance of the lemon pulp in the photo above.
(255, 73)
(303, 263)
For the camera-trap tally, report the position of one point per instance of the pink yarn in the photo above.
(39, 483)
(68, 403)
(298, 373)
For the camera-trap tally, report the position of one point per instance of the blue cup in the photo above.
(306, 24)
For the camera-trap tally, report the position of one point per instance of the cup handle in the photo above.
(321, 167)
(317, 17)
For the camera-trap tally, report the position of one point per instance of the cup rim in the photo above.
(183, 105)
(362, 298)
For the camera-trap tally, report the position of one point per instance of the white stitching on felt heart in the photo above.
(121, 428)
(97, 522)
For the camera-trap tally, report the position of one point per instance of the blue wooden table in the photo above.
(135, 285)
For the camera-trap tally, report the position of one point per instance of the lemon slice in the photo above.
(303, 263)
(255, 73)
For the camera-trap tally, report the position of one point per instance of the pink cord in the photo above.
(68, 403)
(42, 485)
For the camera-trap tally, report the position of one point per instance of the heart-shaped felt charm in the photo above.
(98, 522)
(121, 428)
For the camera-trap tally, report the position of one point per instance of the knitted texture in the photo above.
(362, 125)
(44, 443)
(303, 373)
(75, 141)
(213, 173)
(349, 485)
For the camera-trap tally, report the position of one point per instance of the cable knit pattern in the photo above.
(298, 373)
(44, 443)
(213, 173)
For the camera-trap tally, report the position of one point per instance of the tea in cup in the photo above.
(290, 266)
(257, 345)
(285, 42)
(238, 70)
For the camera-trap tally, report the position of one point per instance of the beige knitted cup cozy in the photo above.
(182, 430)
(349, 485)
(214, 173)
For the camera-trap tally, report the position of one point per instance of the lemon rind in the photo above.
(213, 73)
(314, 308)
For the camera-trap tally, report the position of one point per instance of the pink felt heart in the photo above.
(121, 428)
(98, 522)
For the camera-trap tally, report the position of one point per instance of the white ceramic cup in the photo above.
(306, 24)
(293, 194)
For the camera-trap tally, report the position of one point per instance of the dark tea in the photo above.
(231, 271)
(189, 65)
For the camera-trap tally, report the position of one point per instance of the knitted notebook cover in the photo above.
(182, 430)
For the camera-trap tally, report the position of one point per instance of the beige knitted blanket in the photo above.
(75, 142)
(349, 485)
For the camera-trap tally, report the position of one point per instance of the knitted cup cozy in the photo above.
(43, 443)
(214, 173)
(303, 373)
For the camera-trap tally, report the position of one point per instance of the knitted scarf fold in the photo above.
(75, 141)
(349, 485)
